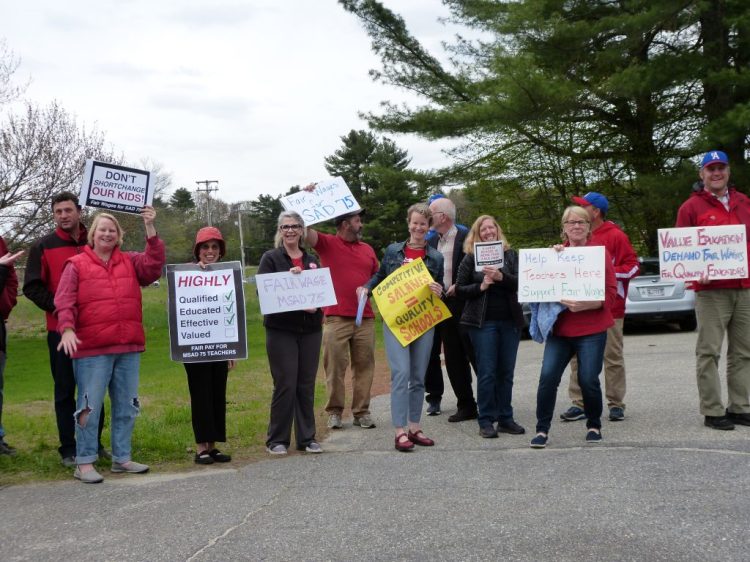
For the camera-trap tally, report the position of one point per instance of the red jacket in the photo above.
(44, 268)
(587, 322)
(624, 260)
(102, 302)
(704, 209)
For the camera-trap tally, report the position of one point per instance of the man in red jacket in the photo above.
(625, 261)
(722, 306)
(43, 271)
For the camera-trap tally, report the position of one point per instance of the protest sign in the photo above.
(715, 252)
(488, 254)
(115, 188)
(407, 304)
(284, 291)
(546, 275)
(206, 312)
(330, 199)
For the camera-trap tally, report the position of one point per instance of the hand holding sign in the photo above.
(322, 201)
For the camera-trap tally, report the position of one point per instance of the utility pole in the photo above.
(209, 186)
(242, 242)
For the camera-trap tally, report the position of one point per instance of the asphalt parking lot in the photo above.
(660, 487)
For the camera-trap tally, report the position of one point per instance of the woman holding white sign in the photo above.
(408, 364)
(293, 346)
(99, 315)
(495, 321)
(207, 381)
(580, 330)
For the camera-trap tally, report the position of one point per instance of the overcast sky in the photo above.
(253, 93)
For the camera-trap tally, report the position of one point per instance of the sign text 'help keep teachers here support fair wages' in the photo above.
(546, 275)
(712, 252)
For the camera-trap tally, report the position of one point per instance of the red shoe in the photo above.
(403, 444)
(419, 438)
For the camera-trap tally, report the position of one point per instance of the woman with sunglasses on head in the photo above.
(494, 320)
(580, 329)
(293, 346)
(207, 381)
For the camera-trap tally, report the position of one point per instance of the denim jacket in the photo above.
(394, 258)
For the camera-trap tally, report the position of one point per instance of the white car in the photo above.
(653, 300)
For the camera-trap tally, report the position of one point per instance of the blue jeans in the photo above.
(558, 352)
(408, 366)
(119, 373)
(495, 347)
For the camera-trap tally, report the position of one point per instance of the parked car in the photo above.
(653, 300)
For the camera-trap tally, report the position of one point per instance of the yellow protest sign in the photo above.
(407, 304)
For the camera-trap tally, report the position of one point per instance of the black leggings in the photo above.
(208, 400)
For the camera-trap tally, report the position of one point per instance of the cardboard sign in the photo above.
(284, 291)
(488, 254)
(330, 199)
(206, 312)
(115, 188)
(407, 304)
(546, 275)
(715, 252)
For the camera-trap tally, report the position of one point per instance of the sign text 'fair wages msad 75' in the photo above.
(713, 252)
(284, 291)
(546, 275)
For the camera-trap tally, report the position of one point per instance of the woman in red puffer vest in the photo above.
(98, 309)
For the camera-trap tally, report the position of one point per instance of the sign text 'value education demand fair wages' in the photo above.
(713, 252)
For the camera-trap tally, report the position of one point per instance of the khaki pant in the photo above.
(719, 312)
(342, 340)
(614, 371)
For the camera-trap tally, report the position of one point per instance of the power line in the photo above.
(210, 185)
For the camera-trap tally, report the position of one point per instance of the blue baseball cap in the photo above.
(593, 198)
(714, 157)
(434, 196)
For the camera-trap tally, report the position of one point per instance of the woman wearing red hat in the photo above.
(208, 381)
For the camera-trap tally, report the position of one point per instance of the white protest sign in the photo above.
(488, 254)
(716, 252)
(284, 291)
(546, 275)
(206, 312)
(115, 188)
(330, 199)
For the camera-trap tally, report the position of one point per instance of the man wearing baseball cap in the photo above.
(721, 306)
(352, 264)
(625, 260)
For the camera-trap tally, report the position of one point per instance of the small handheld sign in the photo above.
(115, 188)
(488, 254)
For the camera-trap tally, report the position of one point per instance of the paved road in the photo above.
(661, 487)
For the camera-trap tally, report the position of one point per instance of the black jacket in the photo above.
(299, 321)
(475, 300)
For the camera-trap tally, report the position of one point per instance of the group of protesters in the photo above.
(90, 291)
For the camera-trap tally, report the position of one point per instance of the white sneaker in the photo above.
(131, 467)
(313, 447)
(89, 477)
(277, 449)
(334, 422)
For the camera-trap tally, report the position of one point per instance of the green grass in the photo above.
(163, 435)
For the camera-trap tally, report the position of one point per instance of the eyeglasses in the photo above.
(287, 227)
(575, 223)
